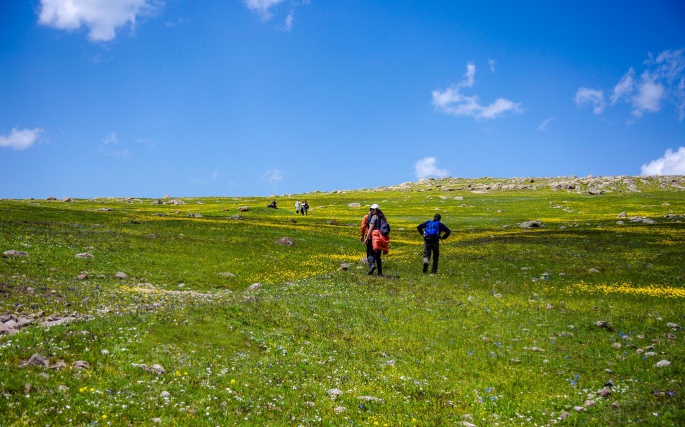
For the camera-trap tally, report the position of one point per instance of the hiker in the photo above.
(272, 205)
(430, 230)
(376, 243)
(304, 208)
(297, 206)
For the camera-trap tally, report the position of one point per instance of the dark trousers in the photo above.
(374, 258)
(431, 246)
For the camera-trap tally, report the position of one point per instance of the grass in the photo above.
(504, 335)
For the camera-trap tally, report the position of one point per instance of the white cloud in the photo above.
(662, 81)
(594, 97)
(180, 21)
(469, 76)
(273, 175)
(491, 63)
(288, 25)
(452, 101)
(625, 87)
(649, 95)
(428, 167)
(20, 139)
(101, 17)
(673, 163)
(262, 7)
(545, 122)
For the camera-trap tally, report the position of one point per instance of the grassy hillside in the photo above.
(521, 326)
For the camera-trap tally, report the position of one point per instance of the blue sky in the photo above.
(145, 98)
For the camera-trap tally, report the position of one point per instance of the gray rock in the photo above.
(622, 215)
(158, 369)
(13, 253)
(285, 241)
(672, 325)
(369, 399)
(37, 360)
(165, 395)
(605, 392)
(121, 275)
(339, 409)
(67, 199)
(237, 217)
(594, 192)
(4, 329)
(532, 224)
(662, 364)
(84, 255)
(81, 365)
(243, 209)
(226, 274)
(254, 287)
(151, 236)
(335, 392)
(355, 205)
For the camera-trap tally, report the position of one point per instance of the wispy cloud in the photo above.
(491, 63)
(101, 17)
(428, 167)
(20, 139)
(272, 175)
(593, 97)
(150, 143)
(209, 180)
(672, 163)
(544, 123)
(108, 144)
(263, 7)
(176, 23)
(452, 101)
(289, 21)
(662, 81)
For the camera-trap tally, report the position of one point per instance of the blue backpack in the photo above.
(385, 228)
(432, 229)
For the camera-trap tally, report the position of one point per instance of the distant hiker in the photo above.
(376, 242)
(272, 205)
(304, 208)
(297, 206)
(430, 230)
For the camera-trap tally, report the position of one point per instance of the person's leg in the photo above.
(426, 255)
(436, 255)
(370, 257)
(379, 263)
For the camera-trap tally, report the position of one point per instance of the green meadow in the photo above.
(576, 322)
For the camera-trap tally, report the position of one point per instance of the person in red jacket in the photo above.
(375, 244)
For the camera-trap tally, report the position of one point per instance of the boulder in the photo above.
(285, 241)
(243, 209)
(532, 224)
(121, 275)
(12, 253)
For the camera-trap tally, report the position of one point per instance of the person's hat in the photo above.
(374, 206)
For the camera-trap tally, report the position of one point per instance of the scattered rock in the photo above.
(594, 192)
(226, 274)
(237, 217)
(335, 392)
(285, 241)
(605, 392)
(579, 408)
(38, 360)
(602, 324)
(662, 364)
(339, 409)
(84, 255)
(195, 215)
(165, 395)
(355, 205)
(622, 215)
(67, 199)
(151, 236)
(243, 209)
(593, 270)
(254, 286)
(532, 224)
(80, 364)
(672, 325)
(369, 399)
(121, 275)
(82, 276)
(104, 352)
(13, 253)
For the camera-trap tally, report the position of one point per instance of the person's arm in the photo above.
(362, 234)
(371, 227)
(446, 230)
(421, 227)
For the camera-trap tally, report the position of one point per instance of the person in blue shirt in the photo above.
(432, 232)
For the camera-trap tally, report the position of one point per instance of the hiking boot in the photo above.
(425, 268)
(371, 270)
